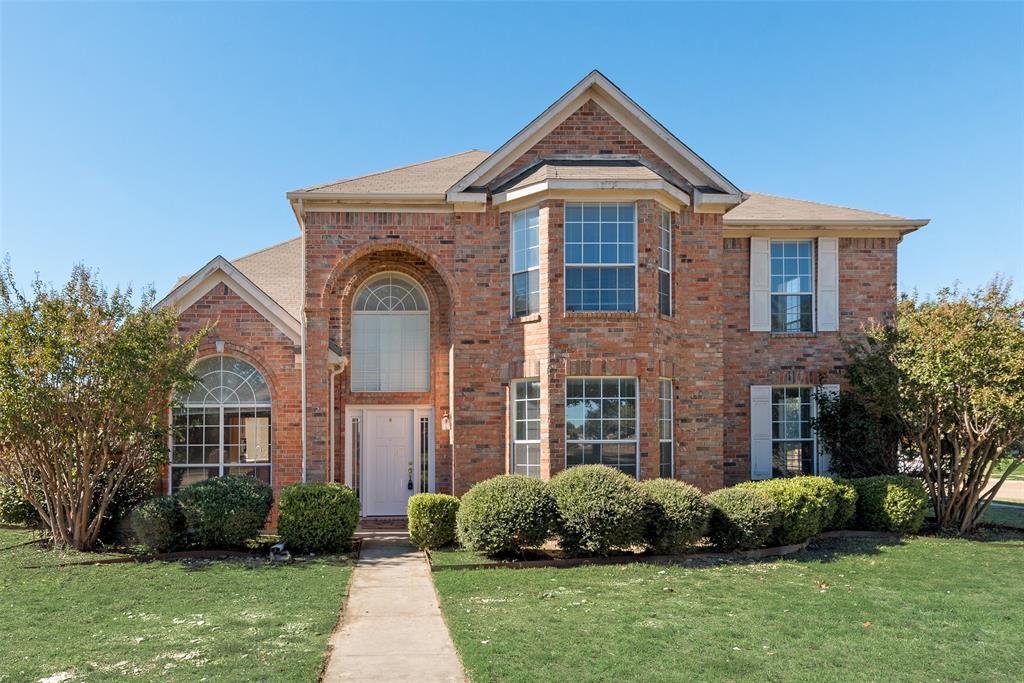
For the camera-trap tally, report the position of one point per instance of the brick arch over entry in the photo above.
(345, 283)
(340, 275)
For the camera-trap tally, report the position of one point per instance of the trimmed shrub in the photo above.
(225, 512)
(14, 509)
(846, 508)
(677, 515)
(505, 515)
(890, 503)
(432, 519)
(597, 509)
(741, 518)
(806, 508)
(159, 524)
(317, 517)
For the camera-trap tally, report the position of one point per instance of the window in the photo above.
(792, 286)
(600, 257)
(526, 427)
(390, 335)
(526, 262)
(424, 455)
(665, 439)
(792, 438)
(600, 422)
(664, 262)
(223, 425)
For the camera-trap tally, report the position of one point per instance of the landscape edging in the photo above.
(757, 553)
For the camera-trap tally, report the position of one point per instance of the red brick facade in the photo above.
(462, 261)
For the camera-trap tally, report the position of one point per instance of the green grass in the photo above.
(925, 609)
(215, 621)
(1006, 514)
(1018, 474)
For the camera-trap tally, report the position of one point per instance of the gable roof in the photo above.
(772, 210)
(277, 270)
(278, 297)
(431, 177)
(596, 86)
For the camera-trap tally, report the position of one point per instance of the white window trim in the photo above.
(565, 433)
(221, 465)
(514, 414)
(671, 440)
(668, 215)
(814, 434)
(512, 260)
(813, 293)
(636, 258)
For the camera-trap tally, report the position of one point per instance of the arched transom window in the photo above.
(223, 425)
(390, 335)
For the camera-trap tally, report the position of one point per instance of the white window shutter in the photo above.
(824, 459)
(760, 285)
(760, 432)
(828, 284)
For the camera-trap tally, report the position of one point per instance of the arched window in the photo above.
(390, 335)
(223, 425)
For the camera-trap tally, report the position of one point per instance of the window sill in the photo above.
(614, 315)
(526, 319)
(796, 335)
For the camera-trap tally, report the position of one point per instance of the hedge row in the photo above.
(594, 510)
(217, 513)
(225, 512)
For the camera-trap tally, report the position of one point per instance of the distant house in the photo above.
(591, 292)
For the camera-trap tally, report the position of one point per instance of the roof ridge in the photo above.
(389, 170)
(260, 251)
(837, 206)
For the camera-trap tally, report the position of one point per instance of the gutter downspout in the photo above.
(302, 225)
(335, 373)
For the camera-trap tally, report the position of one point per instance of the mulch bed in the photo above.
(567, 562)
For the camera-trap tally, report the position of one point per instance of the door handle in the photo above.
(410, 476)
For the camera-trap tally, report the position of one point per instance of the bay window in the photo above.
(600, 257)
(601, 422)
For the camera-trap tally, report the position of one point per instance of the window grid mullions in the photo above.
(601, 236)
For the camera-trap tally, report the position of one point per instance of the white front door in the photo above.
(389, 462)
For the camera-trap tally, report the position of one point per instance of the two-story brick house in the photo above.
(592, 291)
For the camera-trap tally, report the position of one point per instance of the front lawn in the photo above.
(924, 609)
(212, 621)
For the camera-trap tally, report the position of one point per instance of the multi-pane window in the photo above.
(792, 286)
(600, 422)
(223, 425)
(792, 438)
(600, 257)
(526, 262)
(665, 428)
(664, 262)
(526, 427)
(390, 335)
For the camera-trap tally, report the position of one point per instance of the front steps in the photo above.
(374, 523)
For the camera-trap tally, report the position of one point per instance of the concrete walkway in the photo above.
(391, 627)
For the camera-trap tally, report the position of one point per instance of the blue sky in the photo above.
(143, 139)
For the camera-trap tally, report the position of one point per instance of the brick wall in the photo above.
(462, 262)
(867, 293)
(251, 337)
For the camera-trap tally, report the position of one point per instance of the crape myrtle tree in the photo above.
(86, 378)
(951, 372)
